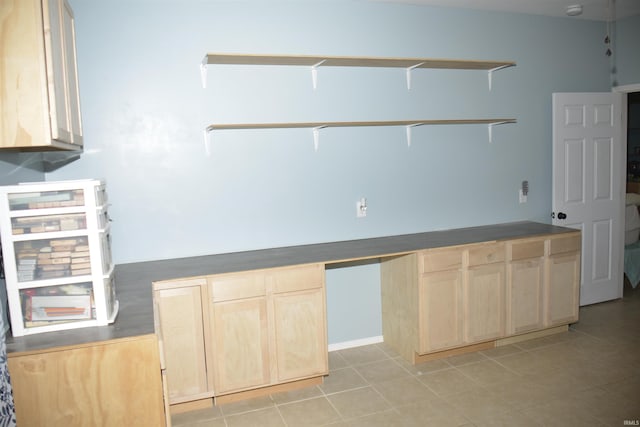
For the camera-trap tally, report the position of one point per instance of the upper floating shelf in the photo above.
(314, 62)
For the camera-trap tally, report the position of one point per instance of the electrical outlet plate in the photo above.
(522, 197)
(361, 208)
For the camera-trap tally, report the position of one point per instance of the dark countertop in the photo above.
(133, 281)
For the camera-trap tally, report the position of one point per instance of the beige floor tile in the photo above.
(488, 372)
(342, 380)
(526, 363)
(383, 370)
(246, 405)
(478, 404)
(436, 412)
(402, 391)
(522, 394)
(448, 382)
(312, 412)
(295, 395)
(269, 417)
(336, 361)
(609, 408)
(426, 367)
(464, 359)
(501, 351)
(560, 413)
(359, 402)
(191, 417)
(362, 355)
(388, 418)
(507, 419)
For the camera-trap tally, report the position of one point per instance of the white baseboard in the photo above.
(355, 343)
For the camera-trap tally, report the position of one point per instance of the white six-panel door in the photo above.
(588, 189)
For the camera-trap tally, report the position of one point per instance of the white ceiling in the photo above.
(597, 10)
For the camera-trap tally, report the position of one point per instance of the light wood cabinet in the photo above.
(525, 278)
(268, 327)
(562, 287)
(462, 297)
(240, 332)
(89, 385)
(179, 324)
(229, 333)
(40, 106)
(440, 316)
(484, 293)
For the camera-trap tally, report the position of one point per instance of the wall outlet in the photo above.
(522, 197)
(361, 208)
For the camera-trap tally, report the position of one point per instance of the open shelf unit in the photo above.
(315, 61)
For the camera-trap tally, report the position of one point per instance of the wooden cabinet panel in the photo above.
(440, 260)
(486, 254)
(268, 327)
(484, 306)
(560, 245)
(300, 334)
(440, 316)
(525, 287)
(237, 286)
(90, 385)
(241, 356)
(562, 289)
(180, 327)
(526, 249)
(296, 278)
(40, 104)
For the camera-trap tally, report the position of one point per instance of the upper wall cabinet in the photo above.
(40, 108)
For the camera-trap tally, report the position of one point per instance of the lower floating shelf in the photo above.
(316, 126)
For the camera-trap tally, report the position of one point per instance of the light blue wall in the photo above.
(144, 113)
(627, 48)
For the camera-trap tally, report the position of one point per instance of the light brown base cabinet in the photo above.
(234, 335)
(109, 383)
(462, 296)
(230, 333)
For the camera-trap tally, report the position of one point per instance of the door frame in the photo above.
(624, 90)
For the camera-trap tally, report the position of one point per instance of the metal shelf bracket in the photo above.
(408, 130)
(203, 73)
(316, 137)
(314, 73)
(490, 129)
(490, 74)
(408, 71)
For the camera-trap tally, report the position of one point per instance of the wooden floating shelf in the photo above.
(352, 61)
(316, 61)
(319, 125)
(316, 126)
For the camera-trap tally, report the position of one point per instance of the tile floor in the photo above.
(589, 376)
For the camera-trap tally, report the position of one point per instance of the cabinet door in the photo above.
(484, 295)
(39, 86)
(240, 344)
(525, 295)
(179, 322)
(440, 315)
(300, 334)
(299, 321)
(562, 289)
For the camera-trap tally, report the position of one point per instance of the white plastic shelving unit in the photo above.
(57, 255)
